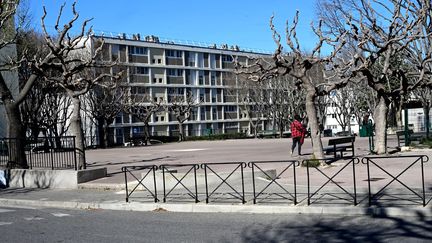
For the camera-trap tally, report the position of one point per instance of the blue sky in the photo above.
(236, 22)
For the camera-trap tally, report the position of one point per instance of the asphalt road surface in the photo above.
(59, 225)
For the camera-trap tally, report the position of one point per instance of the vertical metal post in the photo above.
(75, 157)
(308, 180)
(243, 191)
(354, 177)
(369, 186)
(253, 183)
(51, 151)
(206, 183)
(407, 137)
(126, 185)
(196, 184)
(163, 182)
(154, 181)
(295, 183)
(423, 183)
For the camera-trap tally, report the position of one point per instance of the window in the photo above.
(138, 90)
(141, 70)
(213, 78)
(230, 108)
(137, 50)
(173, 53)
(175, 72)
(226, 58)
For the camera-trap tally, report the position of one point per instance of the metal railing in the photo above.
(279, 181)
(210, 167)
(331, 178)
(286, 194)
(140, 180)
(418, 159)
(42, 152)
(168, 170)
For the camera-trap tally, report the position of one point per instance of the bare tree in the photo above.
(305, 68)
(363, 100)
(9, 100)
(342, 107)
(285, 100)
(142, 106)
(387, 36)
(104, 102)
(72, 59)
(253, 102)
(181, 106)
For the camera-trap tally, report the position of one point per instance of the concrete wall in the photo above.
(66, 179)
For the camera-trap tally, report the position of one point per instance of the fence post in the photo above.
(75, 157)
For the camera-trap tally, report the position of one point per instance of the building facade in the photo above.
(162, 70)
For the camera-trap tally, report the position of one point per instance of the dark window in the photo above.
(141, 70)
(137, 50)
(173, 53)
(175, 72)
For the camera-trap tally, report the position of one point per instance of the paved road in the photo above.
(60, 225)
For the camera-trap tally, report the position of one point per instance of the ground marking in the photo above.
(187, 150)
(60, 214)
(34, 218)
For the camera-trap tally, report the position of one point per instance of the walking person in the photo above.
(298, 132)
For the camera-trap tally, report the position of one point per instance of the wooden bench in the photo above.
(340, 145)
(412, 136)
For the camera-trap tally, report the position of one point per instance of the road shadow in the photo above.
(99, 164)
(378, 227)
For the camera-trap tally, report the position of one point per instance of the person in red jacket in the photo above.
(298, 132)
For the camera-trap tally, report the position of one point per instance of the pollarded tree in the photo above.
(73, 60)
(182, 106)
(103, 103)
(142, 107)
(384, 33)
(342, 103)
(253, 102)
(305, 68)
(285, 100)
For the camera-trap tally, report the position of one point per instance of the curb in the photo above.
(225, 208)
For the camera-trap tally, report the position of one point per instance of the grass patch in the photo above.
(426, 142)
(311, 163)
(218, 137)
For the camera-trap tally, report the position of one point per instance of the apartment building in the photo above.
(164, 69)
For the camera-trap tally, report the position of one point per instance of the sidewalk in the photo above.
(108, 193)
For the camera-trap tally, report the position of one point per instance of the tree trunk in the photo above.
(146, 133)
(17, 157)
(313, 124)
(281, 127)
(380, 119)
(101, 131)
(76, 130)
(104, 134)
(181, 137)
(399, 114)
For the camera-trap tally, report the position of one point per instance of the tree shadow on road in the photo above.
(379, 227)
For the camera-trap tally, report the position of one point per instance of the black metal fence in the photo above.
(331, 179)
(335, 184)
(264, 192)
(417, 190)
(42, 152)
